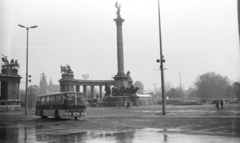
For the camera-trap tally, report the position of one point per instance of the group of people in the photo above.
(219, 102)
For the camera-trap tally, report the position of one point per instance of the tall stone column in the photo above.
(120, 57)
(121, 79)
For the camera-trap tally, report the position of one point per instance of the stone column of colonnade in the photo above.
(92, 92)
(77, 88)
(85, 91)
(18, 94)
(100, 90)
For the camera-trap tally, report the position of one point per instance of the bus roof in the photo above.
(58, 93)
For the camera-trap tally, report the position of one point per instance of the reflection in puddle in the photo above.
(42, 134)
(65, 138)
(165, 137)
(8, 134)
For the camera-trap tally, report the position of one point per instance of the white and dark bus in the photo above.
(63, 104)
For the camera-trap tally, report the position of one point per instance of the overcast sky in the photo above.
(198, 36)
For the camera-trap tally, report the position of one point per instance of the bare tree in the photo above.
(211, 85)
(236, 89)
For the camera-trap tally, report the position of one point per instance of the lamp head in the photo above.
(33, 26)
(22, 26)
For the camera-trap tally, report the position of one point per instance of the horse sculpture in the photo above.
(12, 64)
(66, 69)
(16, 64)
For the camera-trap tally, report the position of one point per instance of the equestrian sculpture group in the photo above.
(66, 70)
(128, 91)
(12, 64)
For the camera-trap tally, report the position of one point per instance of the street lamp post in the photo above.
(162, 60)
(26, 95)
(180, 84)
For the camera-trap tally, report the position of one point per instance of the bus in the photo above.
(63, 104)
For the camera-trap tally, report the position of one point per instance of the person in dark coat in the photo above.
(217, 104)
(128, 105)
(221, 103)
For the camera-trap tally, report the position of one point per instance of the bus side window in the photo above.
(37, 101)
(64, 99)
(42, 100)
(52, 99)
(58, 99)
(47, 100)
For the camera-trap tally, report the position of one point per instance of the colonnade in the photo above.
(92, 95)
(82, 87)
(68, 83)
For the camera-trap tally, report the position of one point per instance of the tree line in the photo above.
(209, 85)
(206, 86)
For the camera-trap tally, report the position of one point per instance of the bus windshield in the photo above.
(79, 100)
(74, 99)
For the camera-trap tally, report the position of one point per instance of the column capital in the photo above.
(119, 21)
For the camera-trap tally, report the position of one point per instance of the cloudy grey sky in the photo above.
(198, 36)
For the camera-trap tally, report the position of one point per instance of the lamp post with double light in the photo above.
(161, 61)
(26, 95)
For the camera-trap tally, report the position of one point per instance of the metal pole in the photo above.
(180, 84)
(161, 66)
(26, 95)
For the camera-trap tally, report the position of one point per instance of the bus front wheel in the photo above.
(75, 118)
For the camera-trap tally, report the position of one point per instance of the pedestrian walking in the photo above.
(128, 105)
(221, 103)
(217, 104)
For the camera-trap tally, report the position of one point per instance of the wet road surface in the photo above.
(44, 134)
(184, 124)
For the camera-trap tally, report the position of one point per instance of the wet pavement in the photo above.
(184, 124)
(41, 134)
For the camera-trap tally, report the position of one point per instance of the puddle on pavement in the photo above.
(40, 134)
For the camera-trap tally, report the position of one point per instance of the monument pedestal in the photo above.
(121, 81)
(10, 80)
(115, 101)
(65, 84)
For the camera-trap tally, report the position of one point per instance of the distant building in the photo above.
(139, 85)
(52, 88)
(43, 85)
(44, 88)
